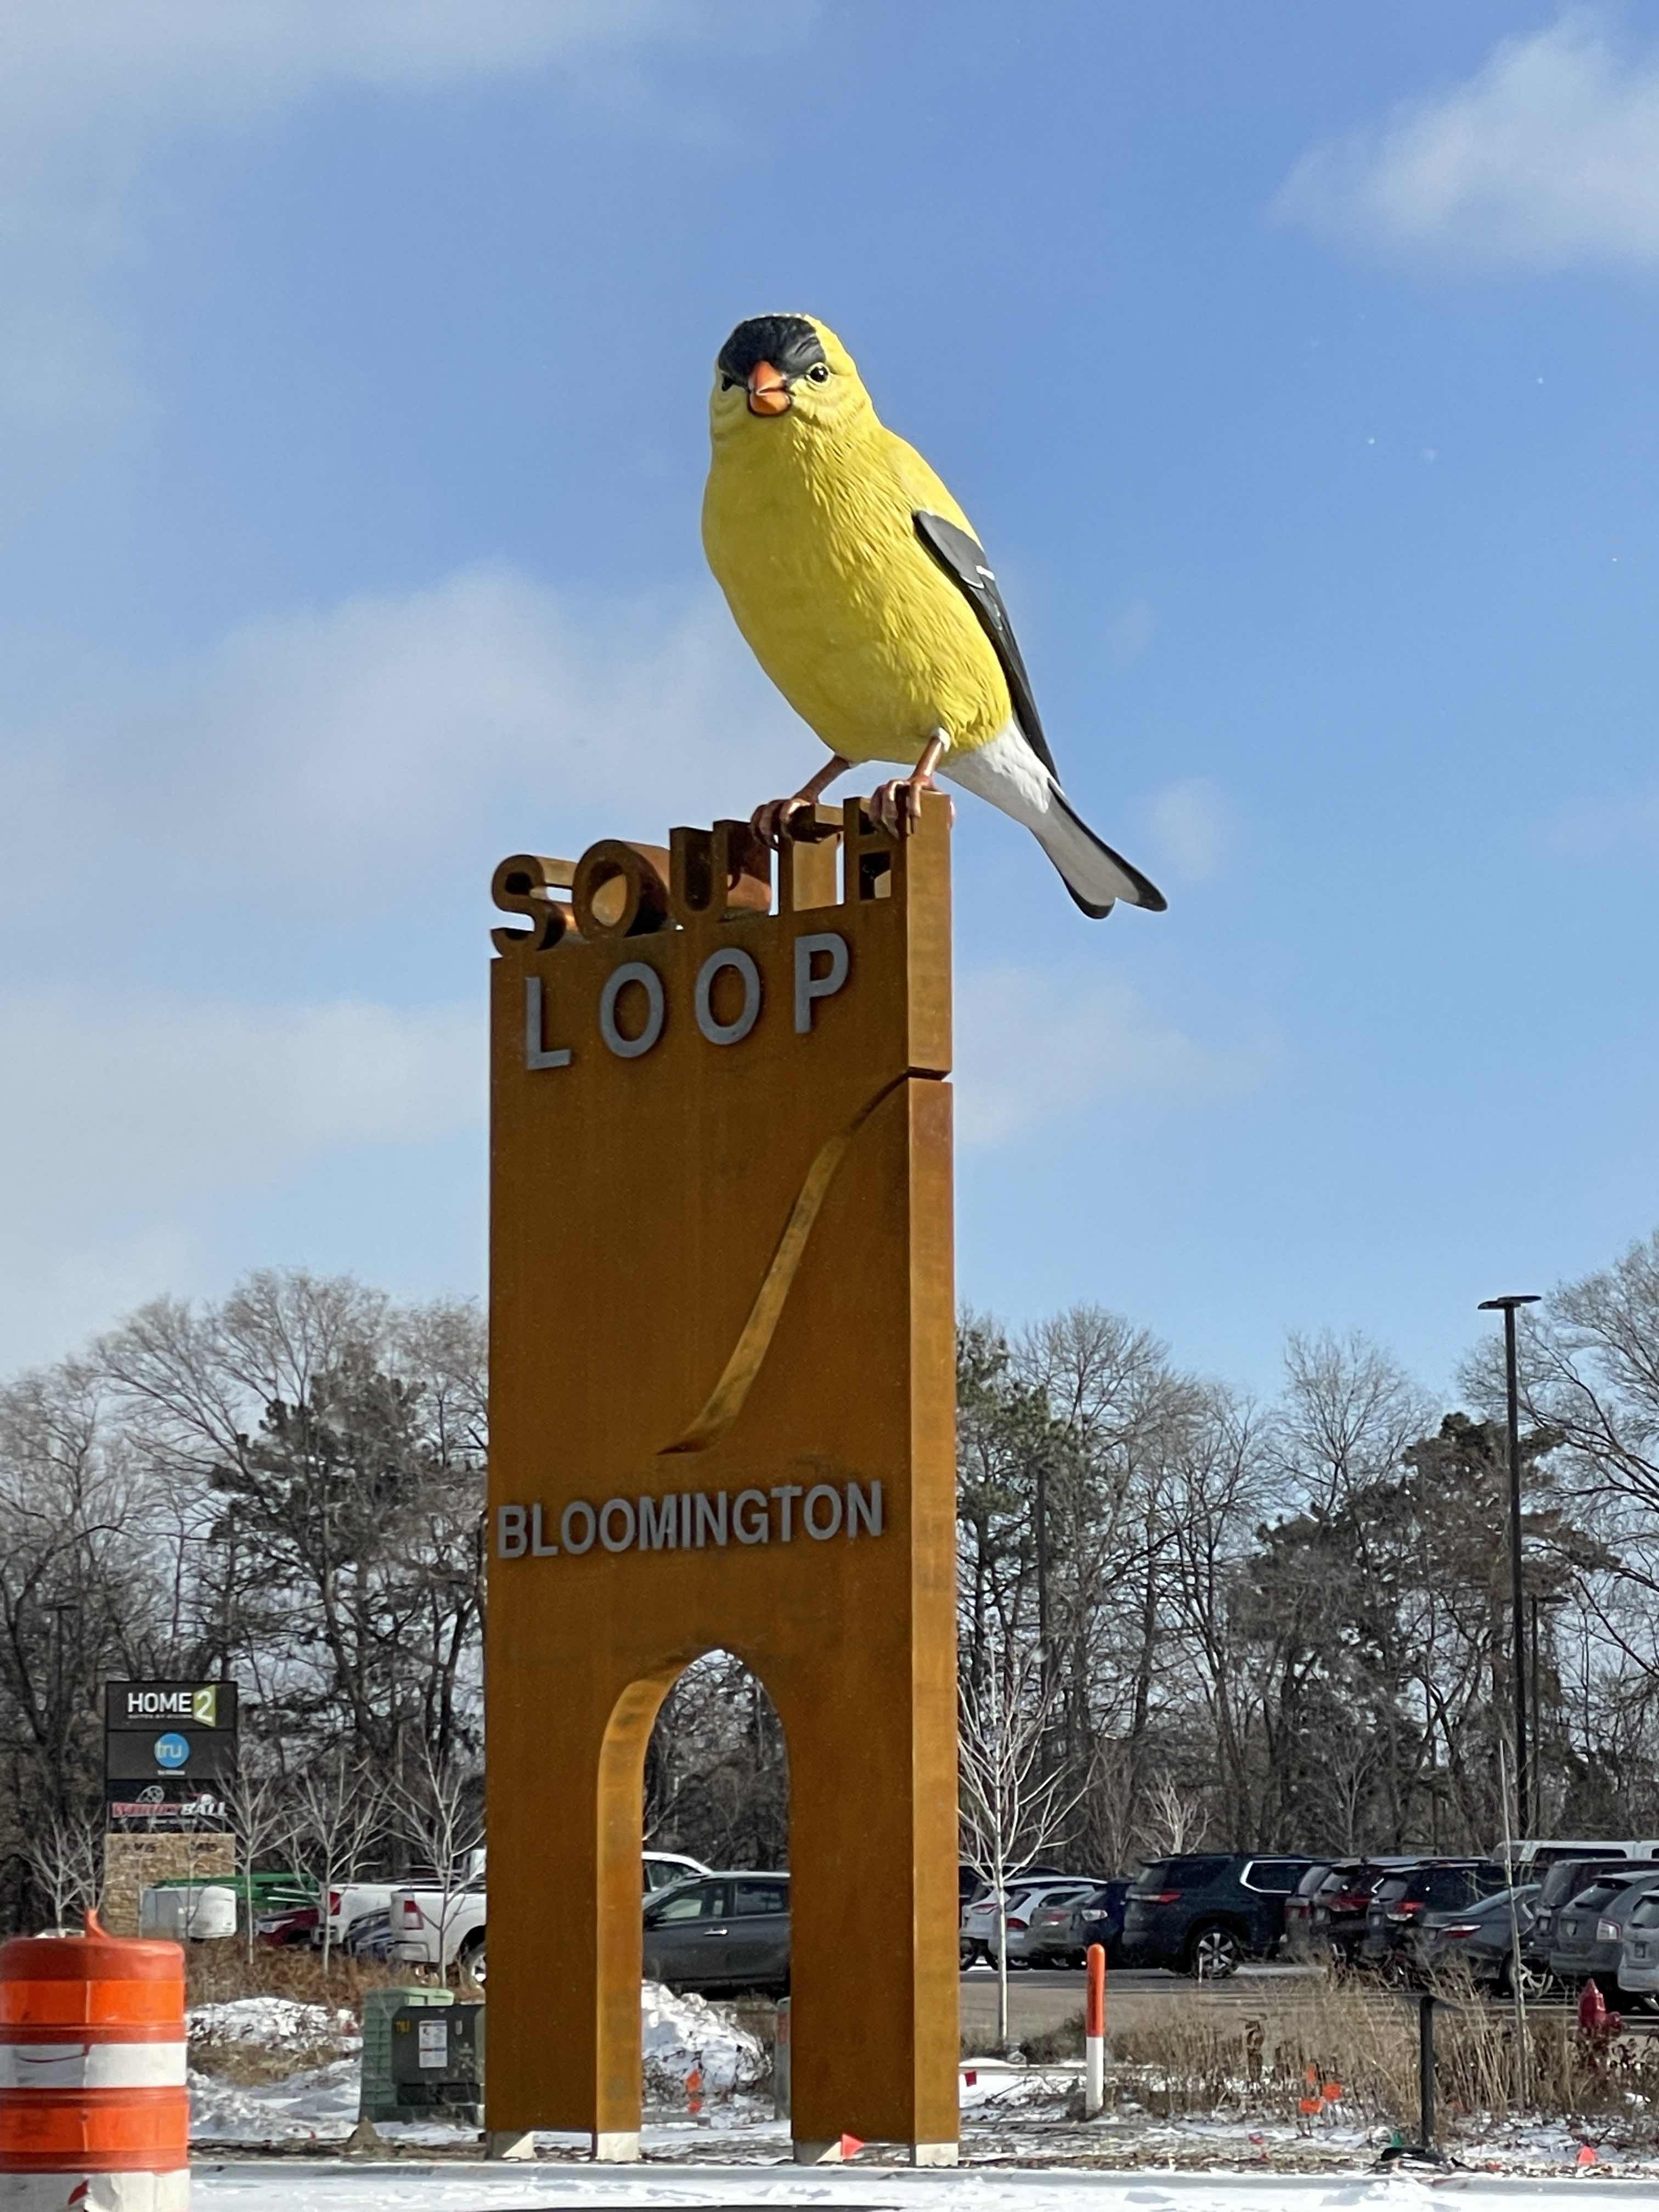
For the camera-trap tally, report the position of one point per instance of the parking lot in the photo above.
(1040, 1998)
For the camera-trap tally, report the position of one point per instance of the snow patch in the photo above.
(681, 2034)
(275, 2023)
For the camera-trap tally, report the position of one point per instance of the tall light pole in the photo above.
(1506, 1306)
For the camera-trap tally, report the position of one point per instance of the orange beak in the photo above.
(768, 393)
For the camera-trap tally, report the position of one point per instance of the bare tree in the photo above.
(338, 1807)
(260, 1815)
(440, 1809)
(1176, 1817)
(66, 1856)
(1011, 1807)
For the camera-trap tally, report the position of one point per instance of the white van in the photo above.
(1533, 1853)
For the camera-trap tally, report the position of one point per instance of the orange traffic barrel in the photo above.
(94, 2116)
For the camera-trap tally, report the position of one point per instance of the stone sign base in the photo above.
(132, 1862)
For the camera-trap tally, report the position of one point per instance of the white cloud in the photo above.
(1548, 156)
(272, 804)
(124, 1125)
(1191, 828)
(1033, 1047)
(322, 755)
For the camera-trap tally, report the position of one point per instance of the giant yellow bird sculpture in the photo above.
(867, 597)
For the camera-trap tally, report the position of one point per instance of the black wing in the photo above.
(962, 559)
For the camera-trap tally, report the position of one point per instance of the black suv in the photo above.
(1433, 1885)
(1204, 1914)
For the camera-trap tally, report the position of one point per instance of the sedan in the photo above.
(1042, 1931)
(730, 1931)
(1481, 1940)
(978, 1938)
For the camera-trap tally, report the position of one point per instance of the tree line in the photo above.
(1207, 1620)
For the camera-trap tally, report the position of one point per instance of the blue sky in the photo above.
(1297, 367)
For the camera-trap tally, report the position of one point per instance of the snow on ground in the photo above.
(306, 2186)
(318, 2104)
(1012, 2119)
(278, 2023)
(682, 2033)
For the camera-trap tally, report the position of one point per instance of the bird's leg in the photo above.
(771, 822)
(897, 805)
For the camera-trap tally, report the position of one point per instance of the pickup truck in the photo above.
(426, 1934)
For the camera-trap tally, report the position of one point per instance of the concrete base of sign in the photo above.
(934, 2154)
(509, 2142)
(818, 2154)
(617, 2148)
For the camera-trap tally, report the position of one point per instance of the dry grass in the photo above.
(219, 1972)
(216, 1972)
(1192, 2064)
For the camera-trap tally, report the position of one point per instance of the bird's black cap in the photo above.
(788, 341)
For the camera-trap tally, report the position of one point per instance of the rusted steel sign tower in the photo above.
(722, 1415)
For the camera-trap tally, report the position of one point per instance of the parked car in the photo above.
(1342, 1901)
(1040, 1928)
(1563, 1880)
(977, 1937)
(350, 1901)
(1533, 1854)
(1481, 1940)
(729, 1931)
(1299, 1909)
(369, 1936)
(1639, 1961)
(1431, 1886)
(289, 1926)
(1205, 1913)
(1587, 1941)
(1097, 1918)
(438, 1934)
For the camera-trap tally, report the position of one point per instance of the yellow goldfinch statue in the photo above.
(868, 601)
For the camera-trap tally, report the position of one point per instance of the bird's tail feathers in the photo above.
(1009, 773)
(1095, 875)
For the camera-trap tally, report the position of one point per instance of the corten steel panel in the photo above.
(637, 1206)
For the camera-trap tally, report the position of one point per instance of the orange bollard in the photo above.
(94, 2109)
(1094, 2034)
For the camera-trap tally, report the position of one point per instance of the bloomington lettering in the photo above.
(690, 1520)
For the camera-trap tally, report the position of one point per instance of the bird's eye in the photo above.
(728, 384)
(819, 372)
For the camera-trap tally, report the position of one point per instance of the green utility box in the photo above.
(437, 2062)
(378, 2098)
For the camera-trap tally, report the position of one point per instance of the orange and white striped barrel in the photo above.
(94, 2116)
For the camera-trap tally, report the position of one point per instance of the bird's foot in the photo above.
(896, 805)
(770, 822)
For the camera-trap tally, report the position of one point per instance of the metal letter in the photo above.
(709, 1522)
(659, 1524)
(538, 1549)
(754, 1527)
(787, 1493)
(576, 1506)
(728, 1032)
(809, 987)
(860, 1509)
(631, 971)
(616, 1505)
(534, 1056)
(511, 1540)
(821, 1490)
